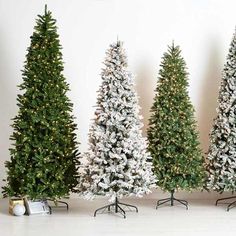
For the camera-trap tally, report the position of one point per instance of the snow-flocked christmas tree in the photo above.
(222, 150)
(118, 162)
(173, 138)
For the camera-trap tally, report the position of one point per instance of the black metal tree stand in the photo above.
(172, 199)
(57, 205)
(230, 205)
(116, 207)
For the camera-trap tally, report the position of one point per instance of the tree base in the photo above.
(171, 199)
(62, 205)
(230, 205)
(116, 207)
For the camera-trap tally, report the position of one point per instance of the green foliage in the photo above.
(44, 154)
(173, 139)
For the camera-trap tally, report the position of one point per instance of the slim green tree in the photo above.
(172, 135)
(43, 160)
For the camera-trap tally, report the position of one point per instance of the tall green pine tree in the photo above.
(173, 139)
(44, 154)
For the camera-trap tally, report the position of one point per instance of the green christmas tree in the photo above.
(43, 160)
(172, 135)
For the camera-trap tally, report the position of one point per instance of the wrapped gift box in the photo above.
(13, 202)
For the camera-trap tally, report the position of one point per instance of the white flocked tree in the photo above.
(222, 150)
(118, 162)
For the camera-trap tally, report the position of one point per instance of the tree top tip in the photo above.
(173, 47)
(118, 42)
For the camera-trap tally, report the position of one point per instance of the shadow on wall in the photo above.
(209, 94)
(7, 103)
(145, 85)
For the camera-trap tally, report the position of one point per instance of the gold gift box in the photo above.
(13, 202)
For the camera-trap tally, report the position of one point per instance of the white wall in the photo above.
(203, 29)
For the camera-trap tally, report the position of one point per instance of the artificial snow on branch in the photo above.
(222, 150)
(118, 161)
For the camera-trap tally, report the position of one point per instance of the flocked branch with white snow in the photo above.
(222, 150)
(118, 162)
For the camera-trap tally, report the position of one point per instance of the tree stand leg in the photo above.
(171, 199)
(117, 207)
(58, 204)
(230, 205)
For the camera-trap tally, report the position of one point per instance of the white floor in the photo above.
(202, 218)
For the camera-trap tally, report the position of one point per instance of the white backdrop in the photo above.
(203, 29)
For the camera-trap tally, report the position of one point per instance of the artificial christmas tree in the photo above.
(118, 163)
(222, 150)
(172, 135)
(44, 154)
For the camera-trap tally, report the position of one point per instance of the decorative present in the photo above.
(37, 207)
(13, 202)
